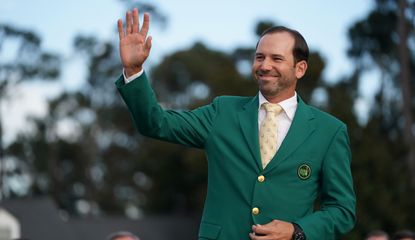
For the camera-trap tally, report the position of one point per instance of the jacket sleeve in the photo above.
(190, 128)
(336, 215)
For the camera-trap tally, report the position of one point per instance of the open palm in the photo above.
(134, 44)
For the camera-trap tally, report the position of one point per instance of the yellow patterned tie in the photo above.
(268, 133)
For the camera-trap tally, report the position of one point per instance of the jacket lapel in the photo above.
(248, 119)
(301, 127)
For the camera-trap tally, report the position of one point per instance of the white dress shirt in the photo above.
(132, 77)
(284, 119)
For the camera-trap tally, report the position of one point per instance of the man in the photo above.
(122, 235)
(377, 235)
(269, 156)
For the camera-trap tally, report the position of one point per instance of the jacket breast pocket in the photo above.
(209, 231)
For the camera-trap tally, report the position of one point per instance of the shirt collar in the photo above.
(288, 105)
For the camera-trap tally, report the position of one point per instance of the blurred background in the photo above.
(72, 165)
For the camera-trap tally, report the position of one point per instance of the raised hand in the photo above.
(134, 44)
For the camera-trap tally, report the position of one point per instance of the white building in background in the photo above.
(9, 226)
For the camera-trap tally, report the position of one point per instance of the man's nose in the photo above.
(266, 65)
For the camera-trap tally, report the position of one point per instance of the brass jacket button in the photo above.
(255, 211)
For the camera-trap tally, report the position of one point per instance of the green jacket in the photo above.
(312, 162)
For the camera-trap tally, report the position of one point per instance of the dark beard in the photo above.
(276, 88)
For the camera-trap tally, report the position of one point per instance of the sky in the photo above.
(221, 25)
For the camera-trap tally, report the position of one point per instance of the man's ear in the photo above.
(300, 69)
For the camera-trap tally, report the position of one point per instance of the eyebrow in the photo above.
(272, 55)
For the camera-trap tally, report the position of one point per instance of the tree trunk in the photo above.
(405, 78)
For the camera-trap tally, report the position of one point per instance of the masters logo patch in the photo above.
(304, 171)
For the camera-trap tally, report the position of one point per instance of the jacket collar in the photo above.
(301, 128)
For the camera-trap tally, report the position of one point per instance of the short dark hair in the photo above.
(300, 50)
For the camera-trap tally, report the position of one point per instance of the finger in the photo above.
(128, 22)
(146, 25)
(121, 32)
(254, 236)
(147, 45)
(135, 20)
(260, 229)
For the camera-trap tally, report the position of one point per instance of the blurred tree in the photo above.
(23, 59)
(85, 149)
(262, 26)
(384, 147)
(406, 17)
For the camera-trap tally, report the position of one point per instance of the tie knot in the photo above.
(272, 107)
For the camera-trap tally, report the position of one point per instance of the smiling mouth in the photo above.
(267, 77)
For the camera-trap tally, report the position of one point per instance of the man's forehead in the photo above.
(276, 43)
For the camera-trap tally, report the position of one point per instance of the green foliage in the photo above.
(199, 65)
(312, 78)
(28, 61)
(262, 26)
(373, 35)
